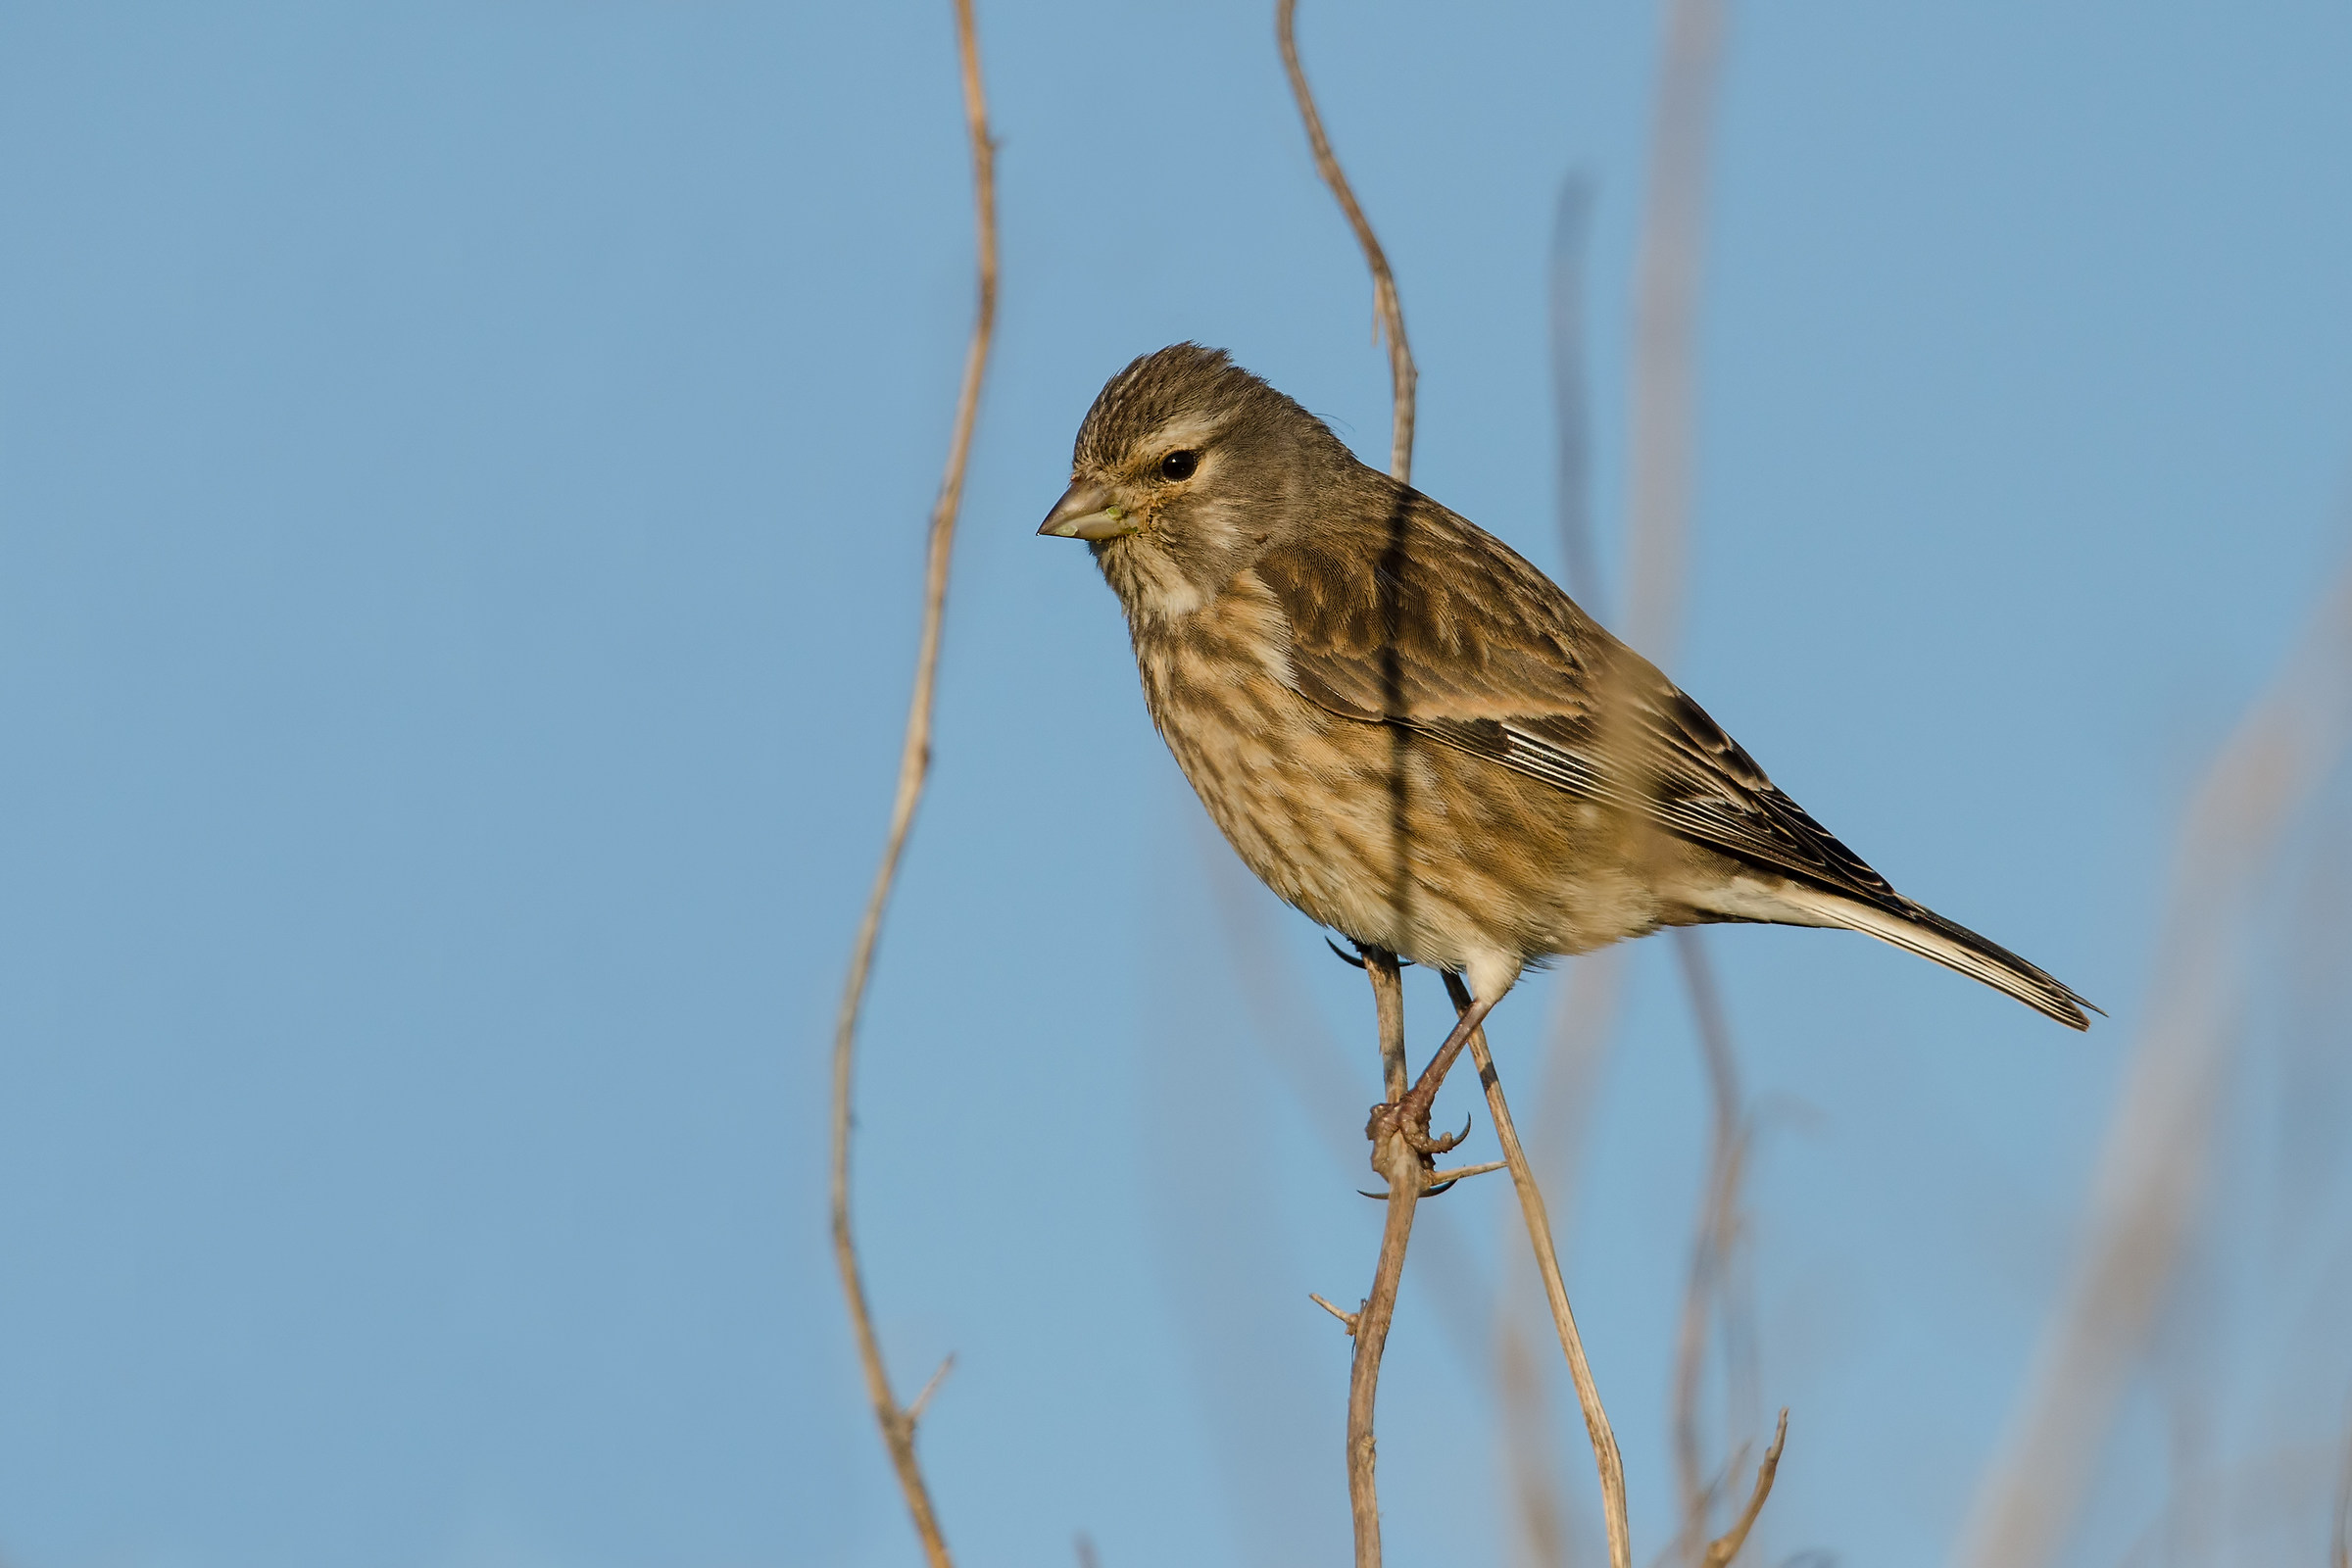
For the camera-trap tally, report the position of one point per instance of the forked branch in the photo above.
(898, 1422)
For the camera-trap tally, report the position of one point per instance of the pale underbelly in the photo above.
(1400, 842)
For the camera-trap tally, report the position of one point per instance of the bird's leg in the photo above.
(1406, 1112)
(1412, 1110)
(1388, 1002)
(1383, 1129)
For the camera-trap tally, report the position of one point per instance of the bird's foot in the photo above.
(1401, 1121)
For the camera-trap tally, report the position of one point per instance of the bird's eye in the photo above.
(1179, 465)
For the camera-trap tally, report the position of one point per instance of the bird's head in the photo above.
(1185, 467)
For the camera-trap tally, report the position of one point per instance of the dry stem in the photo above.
(1539, 1232)
(914, 764)
(1388, 307)
(1724, 1548)
(1395, 1158)
(1711, 1248)
(1401, 1147)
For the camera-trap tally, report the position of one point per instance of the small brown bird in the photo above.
(1414, 736)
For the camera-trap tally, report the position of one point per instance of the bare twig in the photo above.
(914, 764)
(1400, 1149)
(1388, 308)
(1084, 1545)
(2153, 1167)
(922, 1400)
(1724, 1548)
(1396, 1159)
(1346, 1319)
(1539, 1232)
(1440, 1178)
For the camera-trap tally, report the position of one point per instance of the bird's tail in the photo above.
(1922, 931)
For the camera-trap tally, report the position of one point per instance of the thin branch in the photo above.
(1395, 1158)
(1539, 1232)
(922, 1400)
(914, 764)
(1401, 1150)
(1446, 1178)
(1388, 307)
(1346, 1319)
(1724, 1548)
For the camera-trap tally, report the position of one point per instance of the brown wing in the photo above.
(1431, 623)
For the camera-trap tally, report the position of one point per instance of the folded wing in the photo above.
(1435, 625)
(1485, 655)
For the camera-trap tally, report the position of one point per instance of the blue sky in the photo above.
(461, 480)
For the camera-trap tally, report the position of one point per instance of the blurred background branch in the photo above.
(2154, 1166)
(1662, 448)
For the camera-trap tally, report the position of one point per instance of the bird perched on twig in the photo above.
(1414, 736)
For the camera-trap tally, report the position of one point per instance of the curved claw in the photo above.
(1439, 1146)
(1426, 1191)
(1344, 956)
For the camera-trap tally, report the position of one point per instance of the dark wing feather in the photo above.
(1436, 625)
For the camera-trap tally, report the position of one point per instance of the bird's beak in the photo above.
(1085, 511)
